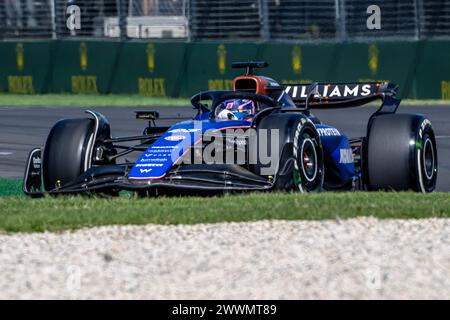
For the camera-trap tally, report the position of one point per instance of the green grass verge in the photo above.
(412, 102)
(126, 100)
(20, 214)
(10, 187)
(88, 100)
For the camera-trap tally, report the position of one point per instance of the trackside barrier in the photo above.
(382, 61)
(208, 65)
(150, 69)
(25, 67)
(433, 71)
(179, 69)
(84, 67)
(295, 63)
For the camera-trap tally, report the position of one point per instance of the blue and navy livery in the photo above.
(171, 146)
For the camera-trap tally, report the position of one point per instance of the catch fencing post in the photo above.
(341, 27)
(3, 19)
(264, 20)
(53, 17)
(418, 17)
(191, 7)
(122, 13)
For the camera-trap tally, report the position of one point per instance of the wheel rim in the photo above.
(428, 159)
(309, 160)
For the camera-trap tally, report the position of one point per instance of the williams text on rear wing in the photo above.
(339, 95)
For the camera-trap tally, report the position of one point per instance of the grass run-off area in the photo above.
(60, 100)
(67, 100)
(10, 187)
(21, 214)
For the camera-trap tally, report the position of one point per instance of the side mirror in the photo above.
(150, 115)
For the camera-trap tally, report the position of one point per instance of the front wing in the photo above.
(186, 179)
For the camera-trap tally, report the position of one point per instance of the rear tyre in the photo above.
(401, 153)
(67, 152)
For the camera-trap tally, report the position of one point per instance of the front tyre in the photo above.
(299, 161)
(67, 152)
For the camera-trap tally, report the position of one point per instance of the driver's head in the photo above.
(236, 109)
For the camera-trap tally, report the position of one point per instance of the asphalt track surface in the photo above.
(22, 128)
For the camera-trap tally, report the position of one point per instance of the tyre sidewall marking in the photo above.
(423, 137)
(298, 132)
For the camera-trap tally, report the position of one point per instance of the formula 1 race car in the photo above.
(259, 136)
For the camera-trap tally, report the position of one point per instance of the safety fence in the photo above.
(177, 69)
(197, 20)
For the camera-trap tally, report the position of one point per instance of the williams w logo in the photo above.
(145, 170)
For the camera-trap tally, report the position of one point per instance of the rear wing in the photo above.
(338, 95)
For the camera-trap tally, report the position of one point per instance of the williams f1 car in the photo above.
(259, 136)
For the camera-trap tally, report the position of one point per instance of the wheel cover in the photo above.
(308, 160)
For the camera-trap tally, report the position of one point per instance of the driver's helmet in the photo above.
(236, 109)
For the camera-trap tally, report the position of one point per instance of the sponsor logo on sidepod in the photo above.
(175, 138)
(346, 156)
(328, 132)
(139, 165)
(182, 130)
(153, 159)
